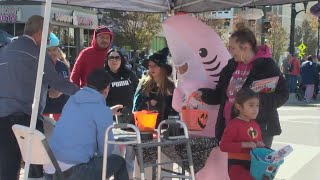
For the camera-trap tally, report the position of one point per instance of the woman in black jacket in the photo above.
(249, 63)
(123, 85)
(156, 88)
(122, 89)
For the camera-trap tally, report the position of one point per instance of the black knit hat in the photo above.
(160, 58)
(98, 79)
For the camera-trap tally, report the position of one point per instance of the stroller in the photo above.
(300, 91)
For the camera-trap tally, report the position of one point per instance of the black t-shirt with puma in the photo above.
(122, 89)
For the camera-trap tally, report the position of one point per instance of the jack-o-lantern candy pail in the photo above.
(195, 119)
(145, 120)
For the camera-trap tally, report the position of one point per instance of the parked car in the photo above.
(5, 38)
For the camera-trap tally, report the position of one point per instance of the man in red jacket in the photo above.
(294, 72)
(92, 57)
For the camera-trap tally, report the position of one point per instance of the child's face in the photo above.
(249, 109)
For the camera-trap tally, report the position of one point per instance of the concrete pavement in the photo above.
(301, 129)
(293, 101)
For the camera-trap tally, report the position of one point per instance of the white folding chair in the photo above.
(41, 152)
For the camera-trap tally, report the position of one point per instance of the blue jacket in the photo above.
(18, 71)
(309, 73)
(80, 131)
(55, 105)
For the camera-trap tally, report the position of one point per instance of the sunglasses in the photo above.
(114, 58)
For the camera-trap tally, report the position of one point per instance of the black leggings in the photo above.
(10, 155)
(267, 140)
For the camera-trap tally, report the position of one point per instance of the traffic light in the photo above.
(266, 25)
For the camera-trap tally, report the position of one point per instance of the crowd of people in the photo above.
(302, 76)
(101, 87)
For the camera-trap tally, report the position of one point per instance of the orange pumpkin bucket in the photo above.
(195, 119)
(145, 120)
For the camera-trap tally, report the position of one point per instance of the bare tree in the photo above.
(219, 25)
(277, 37)
(134, 29)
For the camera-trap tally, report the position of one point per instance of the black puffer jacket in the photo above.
(268, 117)
(163, 105)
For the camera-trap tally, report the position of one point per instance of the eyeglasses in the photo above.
(114, 58)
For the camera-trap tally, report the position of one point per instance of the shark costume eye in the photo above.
(203, 52)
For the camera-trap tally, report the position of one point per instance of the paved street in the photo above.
(301, 129)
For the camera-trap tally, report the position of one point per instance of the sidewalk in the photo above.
(293, 101)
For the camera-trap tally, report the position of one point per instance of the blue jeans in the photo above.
(130, 158)
(292, 83)
(93, 169)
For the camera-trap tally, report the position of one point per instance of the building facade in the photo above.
(73, 25)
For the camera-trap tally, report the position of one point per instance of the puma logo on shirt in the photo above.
(120, 83)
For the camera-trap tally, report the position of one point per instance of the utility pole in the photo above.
(263, 33)
(294, 14)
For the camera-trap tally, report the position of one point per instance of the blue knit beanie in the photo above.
(54, 41)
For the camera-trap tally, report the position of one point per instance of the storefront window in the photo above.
(71, 37)
(56, 31)
(67, 40)
(19, 29)
(63, 35)
(87, 37)
(90, 37)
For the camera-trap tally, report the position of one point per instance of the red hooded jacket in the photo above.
(90, 59)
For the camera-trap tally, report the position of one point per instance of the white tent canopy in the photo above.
(165, 5)
(129, 5)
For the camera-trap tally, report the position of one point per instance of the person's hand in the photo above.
(197, 95)
(250, 145)
(54, 93)
(115, 109)
(153, 102)
(260, 144)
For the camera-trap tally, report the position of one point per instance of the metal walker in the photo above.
(173, 140)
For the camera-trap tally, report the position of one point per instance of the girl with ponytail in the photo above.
(242, 134)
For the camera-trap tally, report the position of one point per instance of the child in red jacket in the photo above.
(242, 134)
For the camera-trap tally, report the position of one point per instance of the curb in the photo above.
(302, 105)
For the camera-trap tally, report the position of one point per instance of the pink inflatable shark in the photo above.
(198, 54)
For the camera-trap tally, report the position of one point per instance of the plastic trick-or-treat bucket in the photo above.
(261, 169)
(195, 119)
(145, 120)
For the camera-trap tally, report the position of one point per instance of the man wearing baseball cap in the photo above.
(92, 57)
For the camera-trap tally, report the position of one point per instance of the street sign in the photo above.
(301, 54)
(302, 47)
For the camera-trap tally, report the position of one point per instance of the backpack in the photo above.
(290, 67)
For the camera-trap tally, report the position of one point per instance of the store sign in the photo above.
(10, 14)
(74, 19)
(60, 17)
(83, 21)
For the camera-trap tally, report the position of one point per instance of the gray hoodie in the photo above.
(18, 71)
